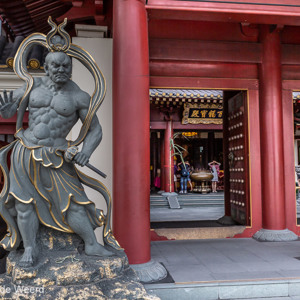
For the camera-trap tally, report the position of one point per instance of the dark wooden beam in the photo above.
(189, 53)
(196, 50)
(78, 13)
(203, 83)
(203, 69)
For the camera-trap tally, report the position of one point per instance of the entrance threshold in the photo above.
(196, 233)
(196, 219)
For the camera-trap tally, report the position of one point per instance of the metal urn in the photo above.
(201, 179)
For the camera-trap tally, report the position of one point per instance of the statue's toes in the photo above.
(97, 250)
(27, 258)
(26, 263)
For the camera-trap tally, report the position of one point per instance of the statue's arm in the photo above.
(92, 139)
(9, 102)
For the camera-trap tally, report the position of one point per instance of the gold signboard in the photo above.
(208, 113)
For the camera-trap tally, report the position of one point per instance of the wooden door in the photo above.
(238, 156)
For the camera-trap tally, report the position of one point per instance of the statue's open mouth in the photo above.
(62, 76)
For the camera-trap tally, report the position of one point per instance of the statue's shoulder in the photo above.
(81, 97)
(37, 81)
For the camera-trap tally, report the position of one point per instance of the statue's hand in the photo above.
(7, 106)
(81, 159)
(5, 101)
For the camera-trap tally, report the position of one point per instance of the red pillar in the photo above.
(162, 163)
(271, 131)
(154, 153)
(131, 129)
(169, 159)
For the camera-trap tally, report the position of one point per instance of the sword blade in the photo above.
(96, 170)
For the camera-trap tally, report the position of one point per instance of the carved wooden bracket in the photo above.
(249, 30)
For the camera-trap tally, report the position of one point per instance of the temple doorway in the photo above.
(224, 141)
(296, 113)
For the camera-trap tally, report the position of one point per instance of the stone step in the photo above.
(161, 205)
(274, 289)
(188, 201)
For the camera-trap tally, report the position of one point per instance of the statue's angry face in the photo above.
(58, 67)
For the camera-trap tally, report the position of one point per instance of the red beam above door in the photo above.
(195, 50)
(203, 69)
(258, 12)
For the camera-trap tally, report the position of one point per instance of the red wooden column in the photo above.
(162, 163)
(131, 129)
(271, 129)
(154, 153)
(169, 159)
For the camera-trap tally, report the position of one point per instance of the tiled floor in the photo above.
(193, 261)
(186, 214)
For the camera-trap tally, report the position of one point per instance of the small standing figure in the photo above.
(185, 169)
(157, 180)
(215, 168)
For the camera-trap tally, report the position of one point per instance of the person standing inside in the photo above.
(184, 169)
(215, 169)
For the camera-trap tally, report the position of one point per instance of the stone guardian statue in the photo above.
(42, 186)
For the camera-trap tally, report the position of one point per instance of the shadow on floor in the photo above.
(185, 224)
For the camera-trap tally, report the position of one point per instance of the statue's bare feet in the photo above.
(97, 249)
(28, 257)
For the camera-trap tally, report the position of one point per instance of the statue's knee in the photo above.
(10, 205)
(76, 208)
(12, 211)
(23, 209)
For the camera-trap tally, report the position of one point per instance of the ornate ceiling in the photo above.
(23, 17)
(176, 97)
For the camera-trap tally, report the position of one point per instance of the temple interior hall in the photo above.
(197, 127)
(204, 130)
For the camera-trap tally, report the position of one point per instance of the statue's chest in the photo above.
(61, 103)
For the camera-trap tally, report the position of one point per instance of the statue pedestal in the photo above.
(63, 271)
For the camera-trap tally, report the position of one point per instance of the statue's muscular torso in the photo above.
(53, 112)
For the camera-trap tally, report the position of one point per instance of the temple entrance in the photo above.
(200, 144)
(296, 113)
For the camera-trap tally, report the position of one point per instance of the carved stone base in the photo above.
(226, 220)
(275, 235)
(63, 271)
(151, 271)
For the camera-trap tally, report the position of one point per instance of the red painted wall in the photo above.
(8, 126)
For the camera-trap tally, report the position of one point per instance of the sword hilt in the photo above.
(70, 154)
